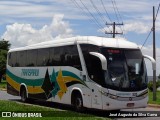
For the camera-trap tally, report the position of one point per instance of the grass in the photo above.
(151, 98)
(3, 84)
(12, 106)
(67, 115)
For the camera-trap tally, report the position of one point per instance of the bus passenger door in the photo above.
(95, 73)
(96, 96)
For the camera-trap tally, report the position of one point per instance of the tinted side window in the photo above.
(12, 59)
(21, 59)
(9, 59)
(51, 56)
(72, 57)
(31, 57)
(43, 57)
(58, 56)
(65, 56)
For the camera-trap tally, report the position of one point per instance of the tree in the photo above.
(4, 47)
(159, 77)
(150, 85)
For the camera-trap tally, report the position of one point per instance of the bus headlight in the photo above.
(113, 96)
(104, 93)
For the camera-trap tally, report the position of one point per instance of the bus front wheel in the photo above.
(78, 103)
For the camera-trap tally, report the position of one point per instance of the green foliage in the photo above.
(4, 47)
(3, 57)
(3, 84)
(158, 83)
(159, 77)
(150, 85)
(151, 98)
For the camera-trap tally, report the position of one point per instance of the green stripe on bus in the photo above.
(39, 82)
(29, 82)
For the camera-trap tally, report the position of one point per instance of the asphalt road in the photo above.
(5, 96)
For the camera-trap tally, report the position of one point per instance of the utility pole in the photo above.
(114, 29)
(154, 56)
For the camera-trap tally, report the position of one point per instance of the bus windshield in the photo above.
(126, 69)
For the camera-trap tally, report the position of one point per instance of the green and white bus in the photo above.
(84, 71)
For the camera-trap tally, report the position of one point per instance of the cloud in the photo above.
(24, 34)
(38, 9)
(137, 27)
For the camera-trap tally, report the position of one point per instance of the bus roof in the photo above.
(99, 41)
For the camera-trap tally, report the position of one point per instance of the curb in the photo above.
(154, 105)
(3, 89)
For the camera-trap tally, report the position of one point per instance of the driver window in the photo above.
(93, 63)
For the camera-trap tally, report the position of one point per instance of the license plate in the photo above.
(130, 104)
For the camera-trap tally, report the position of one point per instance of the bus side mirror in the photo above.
(102, 59)
(152, 60)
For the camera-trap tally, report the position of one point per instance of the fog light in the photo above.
(107, 104)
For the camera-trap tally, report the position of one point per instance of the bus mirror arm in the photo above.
(152, 60)
(102, 59)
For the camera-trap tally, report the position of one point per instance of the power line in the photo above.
(78, 6)
(146, 39)
(99, 13)
(118, 10)
(95, 21)
(157, 12)
(106, 11)
(151, 28)
(115, 11)
(90, 13)
(118, 14)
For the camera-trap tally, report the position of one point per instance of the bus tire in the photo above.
(23, 95)
(78, 103)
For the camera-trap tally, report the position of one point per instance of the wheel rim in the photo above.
(78, 103)
(23, 97)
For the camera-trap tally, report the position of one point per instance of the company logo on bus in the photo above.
(30, 72)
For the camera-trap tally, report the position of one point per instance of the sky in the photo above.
(26, 22)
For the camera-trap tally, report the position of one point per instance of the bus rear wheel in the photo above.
(23, 95)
